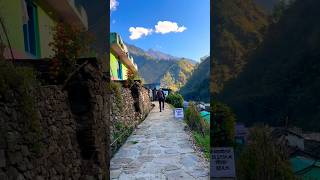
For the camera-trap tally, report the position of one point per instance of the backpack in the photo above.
(160, 94)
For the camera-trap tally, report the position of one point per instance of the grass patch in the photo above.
(115, 88)
(199, 127)
(120, 135)
(203, 142)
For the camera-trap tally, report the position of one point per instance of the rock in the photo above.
(39, 178)
(89, 177)
(3, 176)
(12, 138)
(12, 173)
(22, 166)
(145, 158)
(2, 159)
(122, 161)
(28, 175)
(20, 177)
(171, 168)
(171, 151)
(25, 150)
(15, 157)
(115, 174)
(178, 175)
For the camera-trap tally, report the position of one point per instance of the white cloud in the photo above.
(138, 32)
(113, 5)
(164, 27)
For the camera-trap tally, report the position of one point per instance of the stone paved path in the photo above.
(159, 149)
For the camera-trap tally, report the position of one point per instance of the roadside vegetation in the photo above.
(175, 99)
(69, 43)
(262, 158)
(120, 135)
(199, 127)
(223, 123)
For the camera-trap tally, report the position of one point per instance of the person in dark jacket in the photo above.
(161, 97)
(154, 94)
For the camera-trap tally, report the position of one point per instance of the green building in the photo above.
(120, 60)
(306, 168)
(29, 24)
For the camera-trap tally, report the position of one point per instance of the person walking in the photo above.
(161, 97)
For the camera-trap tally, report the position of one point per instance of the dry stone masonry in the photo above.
(134, 106)
(72, 131)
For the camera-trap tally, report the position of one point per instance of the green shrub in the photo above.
(175, 99)
(223, 125)
(263, 156)
(195, 121)
(200, 128)
(115, 89)
(203, 142)
(69, 43)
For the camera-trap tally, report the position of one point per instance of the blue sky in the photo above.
(177, 27)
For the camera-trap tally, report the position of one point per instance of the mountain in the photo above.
(197, 86)
(280, 84)
(172, 73)
(160, 55)
(154, 54)
(239, 28)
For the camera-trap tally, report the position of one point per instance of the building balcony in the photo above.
(69, 12)
(116, 39)
(120, 49)
(123, 57)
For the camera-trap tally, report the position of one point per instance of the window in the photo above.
(30, 30)
(119, 70)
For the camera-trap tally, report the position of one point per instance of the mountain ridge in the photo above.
(197, 86)
(171, 73)
(155, 54)
(280, 82)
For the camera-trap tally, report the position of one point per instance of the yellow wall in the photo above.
(46, 23)
(124, 72)
(11, 13)
(113, 67)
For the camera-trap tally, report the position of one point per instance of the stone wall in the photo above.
(72, 139)
(134, 106)
(69, 137)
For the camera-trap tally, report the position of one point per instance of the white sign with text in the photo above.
(178, 113)
(222, 162)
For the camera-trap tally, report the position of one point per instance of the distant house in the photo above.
(120, 60)
(241, 133)
(205, 115)
(291, 138)
(305, 168)
(29, 24)
(152, 85)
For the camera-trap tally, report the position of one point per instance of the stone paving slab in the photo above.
(159, 149)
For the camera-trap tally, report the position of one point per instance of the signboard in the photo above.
(166, 93)
(178, 113)
(222, 163)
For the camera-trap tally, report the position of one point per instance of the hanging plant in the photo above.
(69, 43)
